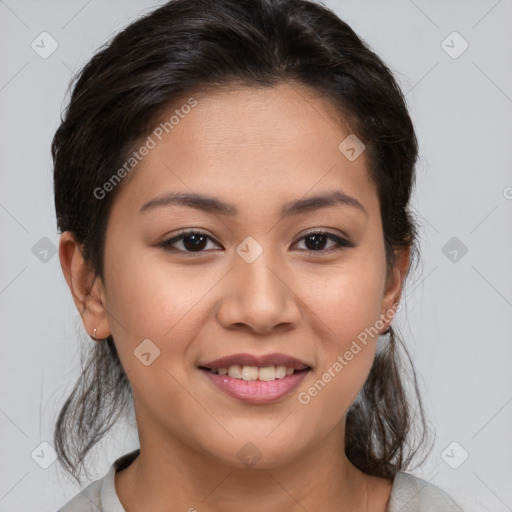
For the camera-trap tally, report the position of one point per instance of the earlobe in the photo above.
(86, 288)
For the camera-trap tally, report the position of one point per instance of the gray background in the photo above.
(457, 321)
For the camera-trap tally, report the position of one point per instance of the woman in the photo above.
(232, 183)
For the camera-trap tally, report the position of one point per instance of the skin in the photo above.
(258, 149)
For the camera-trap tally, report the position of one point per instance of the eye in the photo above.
(315, 241)
(197, 241)
(192, 241)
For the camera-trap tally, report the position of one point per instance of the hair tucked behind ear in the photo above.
(193, 46)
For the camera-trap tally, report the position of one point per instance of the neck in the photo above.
(318, 478)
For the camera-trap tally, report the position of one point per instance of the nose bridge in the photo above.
(259, 276)
(260, 297)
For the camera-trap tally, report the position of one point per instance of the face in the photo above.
(270, 278)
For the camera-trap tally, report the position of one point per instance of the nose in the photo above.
(258, 299)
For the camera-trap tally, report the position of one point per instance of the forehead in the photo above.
(249, 145)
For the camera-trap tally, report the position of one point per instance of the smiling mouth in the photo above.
(250, 373)
(256, 385)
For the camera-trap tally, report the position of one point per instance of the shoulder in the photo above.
(100, 495)
(413, 494)
(87, 500)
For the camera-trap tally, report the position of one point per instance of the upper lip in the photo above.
(244, 359)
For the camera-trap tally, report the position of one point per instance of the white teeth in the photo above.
(264, 373)
(249, 372)
(267, 373)
(235, 371)
(282, 371)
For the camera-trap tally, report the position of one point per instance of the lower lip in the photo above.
(256, 391)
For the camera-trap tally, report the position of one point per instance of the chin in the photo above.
(255, 454)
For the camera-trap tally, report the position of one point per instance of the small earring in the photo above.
(94, 334)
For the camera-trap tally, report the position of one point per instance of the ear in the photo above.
(86, 288)
(394, 285)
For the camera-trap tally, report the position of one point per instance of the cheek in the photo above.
(348, 299)
(148, 303)
(149, 299)
(348, 308)
(148, 296)
(348, 305)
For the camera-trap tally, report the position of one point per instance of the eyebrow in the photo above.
(213, 205)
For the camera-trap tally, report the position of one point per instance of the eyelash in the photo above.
(341, 242)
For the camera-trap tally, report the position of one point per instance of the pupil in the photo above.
(198, 242)
(317, 244)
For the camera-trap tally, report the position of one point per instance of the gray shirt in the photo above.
(408, 494)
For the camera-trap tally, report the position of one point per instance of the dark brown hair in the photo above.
(187, 46)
